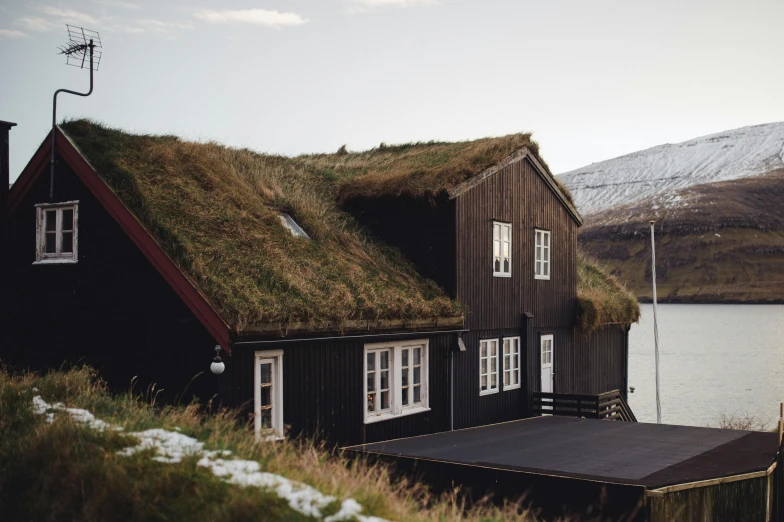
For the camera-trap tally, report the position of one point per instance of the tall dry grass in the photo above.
(66, 471)
(601, 298)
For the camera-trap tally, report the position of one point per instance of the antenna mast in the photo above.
(81, 46)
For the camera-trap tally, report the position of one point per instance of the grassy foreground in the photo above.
(67, 470)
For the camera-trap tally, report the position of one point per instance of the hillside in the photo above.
(665, 169)
(69, 450)
(716, 242)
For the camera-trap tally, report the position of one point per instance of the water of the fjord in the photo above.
(714, 360)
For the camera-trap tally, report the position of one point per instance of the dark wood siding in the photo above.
(422, 228)
(518, 195)
(323, 388)
(600, 362)
(111, 310)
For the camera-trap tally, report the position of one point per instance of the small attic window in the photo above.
(292, 225)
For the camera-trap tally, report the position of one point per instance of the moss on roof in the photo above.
(212, 209)
(416, 169)
(601, 298)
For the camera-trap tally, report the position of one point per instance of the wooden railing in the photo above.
(609, 405)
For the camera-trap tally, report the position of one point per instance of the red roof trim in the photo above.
(188, 292)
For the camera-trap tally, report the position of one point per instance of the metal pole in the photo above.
(54, 120)
(655, 321)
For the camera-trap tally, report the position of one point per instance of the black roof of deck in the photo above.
(650, 455)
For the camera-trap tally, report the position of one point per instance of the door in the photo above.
(269, 395)
(546, 347)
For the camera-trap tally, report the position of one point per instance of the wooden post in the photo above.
(781, 422)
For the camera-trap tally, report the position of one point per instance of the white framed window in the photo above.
(57, 232)
(395, 376)
(268, 397)
(502, 249)
(488, 366)
(542, 248)
(511, 363)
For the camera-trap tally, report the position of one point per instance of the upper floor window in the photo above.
(488, 366)
(542, 261)
(57, 232)
(395, 379)
(502, 249)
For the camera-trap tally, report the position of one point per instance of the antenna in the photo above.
(80, 51)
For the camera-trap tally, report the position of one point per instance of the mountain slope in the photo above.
(662, 170)
(717, 242)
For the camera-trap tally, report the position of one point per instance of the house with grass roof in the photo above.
(354, 297)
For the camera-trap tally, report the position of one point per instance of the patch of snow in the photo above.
(171, 447)
(41, 407)
(735, 154)
(717, 235)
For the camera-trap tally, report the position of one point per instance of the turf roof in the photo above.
(601, 298)
(418, 169)
(215, 211)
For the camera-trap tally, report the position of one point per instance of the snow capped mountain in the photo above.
(665, 169)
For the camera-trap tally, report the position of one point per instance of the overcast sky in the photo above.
(591, 79)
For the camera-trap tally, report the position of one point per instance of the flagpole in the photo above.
(655, 322)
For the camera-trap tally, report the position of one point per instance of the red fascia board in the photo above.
(190, 295)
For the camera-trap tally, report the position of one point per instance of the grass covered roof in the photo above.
(214, 210)
(417, 169)
(601, 298)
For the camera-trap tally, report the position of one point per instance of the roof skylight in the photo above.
(292, 225)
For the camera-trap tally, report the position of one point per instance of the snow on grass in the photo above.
(171, 447)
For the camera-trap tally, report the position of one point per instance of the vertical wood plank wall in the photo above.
(323, 393)
(517, 195)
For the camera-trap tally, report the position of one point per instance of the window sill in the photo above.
(56, 262)
(488, 392)
(542, 278)
(501, 275)
(512, 387)
(388, 416)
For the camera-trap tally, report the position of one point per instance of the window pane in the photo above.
(484, 366)
(405, 396)
(266, 419)
(265, 372)
(417, 394)
(417, 375)
(371, 361)
(493, 348)
(50, 217)
(497, 265)
(385, 380)
(384, 362)
(493, 368)
(506, 378)
(496, 248)
(506, 362)
(51, 246)
(546, 269)
(483, 349)
(506, 346)
(266, 396)
(404, 357)
(371, 382)
(404, 376)
(506, 265)
(497, 232)
(514, 377)
(484, 382)
(67, 242)
(385, 400)
(492, 381)
(67, 222)
(371, 402)
(538, 254)
(417, 356)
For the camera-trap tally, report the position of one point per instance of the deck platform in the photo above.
(573, 454)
